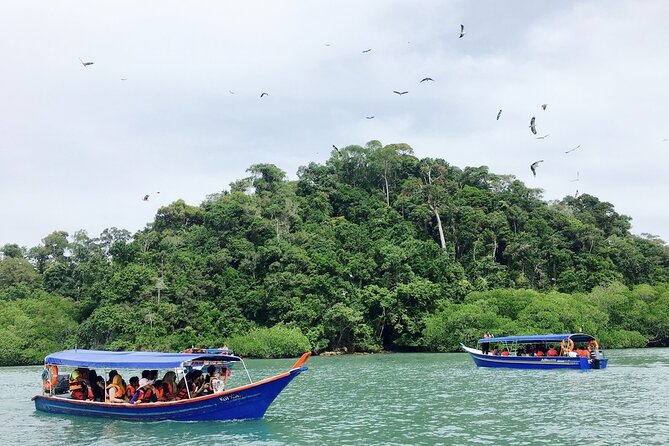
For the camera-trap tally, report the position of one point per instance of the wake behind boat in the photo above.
(244, 402)
(550, 351)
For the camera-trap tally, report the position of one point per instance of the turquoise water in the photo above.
(396, 399)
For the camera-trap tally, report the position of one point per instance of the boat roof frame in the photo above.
(132, 360)
(537, 339)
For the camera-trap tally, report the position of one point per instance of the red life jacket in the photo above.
(146, 398)
(130, 391)
(182, 394)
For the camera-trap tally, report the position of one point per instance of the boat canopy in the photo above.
(132, 360)
(536, 339)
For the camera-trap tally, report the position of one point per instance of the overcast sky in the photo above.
(79, 147)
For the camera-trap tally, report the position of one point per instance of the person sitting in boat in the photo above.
(78, 388)
(582, 352)
(132, 387)
(159, 390)
(170, 385)
(505, 352)
(116, 391)
(495, 352)
(99, 387)
(538, 351)
(551, 351)
(190, 386)
(144, 393)
(112, 374)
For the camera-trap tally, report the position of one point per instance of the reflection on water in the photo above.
(397, 399)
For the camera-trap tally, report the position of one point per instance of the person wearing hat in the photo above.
(78, 388)
(140, 393)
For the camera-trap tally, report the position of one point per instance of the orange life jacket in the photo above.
(118, 392)
(50, 377)
(159, 392)
(130, 391)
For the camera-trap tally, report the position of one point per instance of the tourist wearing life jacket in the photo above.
(170, 385)
(140, 395)
(78, 388)
(116, 391)
(505, 352)
(551, 351)
(583, 353)
(159, 390)
(131, 388)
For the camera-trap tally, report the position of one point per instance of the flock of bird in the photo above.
(532, 126)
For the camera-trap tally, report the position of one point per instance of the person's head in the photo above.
(211, 369)
(153, 375)
(112, 374)
(134, 381)
(74, 375)
(146, 374)
(100, 381)
(117, 380)
(158, 383)
(170, 376)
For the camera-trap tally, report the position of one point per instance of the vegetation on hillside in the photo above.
(375, 249)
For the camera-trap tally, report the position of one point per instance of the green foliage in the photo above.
(375, 249)
(275, 342)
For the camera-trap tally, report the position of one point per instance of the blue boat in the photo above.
(521, 352)
(248, 401)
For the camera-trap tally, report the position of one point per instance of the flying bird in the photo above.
(335, 147)
(544, 106)
(532, 126)
(264, 94)
(369, 117)
(499, 113)
(232, 92)
(85, 63)
(367, 50)
(146, 198)
(462, 31)
(426, 79)
(326, 44)
(571, 150)
(400, 92)
(542, 137)
(534, 165)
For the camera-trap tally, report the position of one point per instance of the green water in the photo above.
(396, 399)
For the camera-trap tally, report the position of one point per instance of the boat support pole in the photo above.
(247, 371)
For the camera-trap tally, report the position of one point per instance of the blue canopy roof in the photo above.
(131, 360)
(535, 339)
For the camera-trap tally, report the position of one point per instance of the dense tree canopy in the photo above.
(375, 249)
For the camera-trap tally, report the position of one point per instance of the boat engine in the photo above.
(597, 357)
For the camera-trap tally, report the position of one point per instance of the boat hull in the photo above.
(532, 362)
(246, 402)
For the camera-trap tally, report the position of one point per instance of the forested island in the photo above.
(374, 250)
